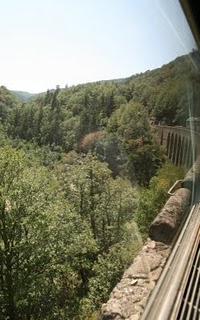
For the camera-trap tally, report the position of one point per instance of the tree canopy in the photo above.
(82, 175)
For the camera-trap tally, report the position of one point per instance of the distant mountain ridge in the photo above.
(23, 95)
(150, 78)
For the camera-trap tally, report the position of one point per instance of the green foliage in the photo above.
(166, 107)
(109, 148)
(132, 125)
(104, 203)
(4, 140)
(131, 122)
(23, 95)
(147, 160)
(109, 267)
(39, 156)
(152, 199)
(39, 279)
(64, 116)
(71, 218)
(7, 102)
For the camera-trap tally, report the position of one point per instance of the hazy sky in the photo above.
(45, 43)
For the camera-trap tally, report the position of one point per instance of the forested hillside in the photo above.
(24, 96)
(81, 178)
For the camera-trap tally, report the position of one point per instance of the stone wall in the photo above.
(128, 299)
(165, 225)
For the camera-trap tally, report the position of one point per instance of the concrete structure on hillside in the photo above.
(182, 145)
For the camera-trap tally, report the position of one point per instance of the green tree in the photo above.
(132, 125)
(166, 106)
(152, 198)
(131, 121)
(108, 270)
(104, 203)
(39, 277)
(109, 148)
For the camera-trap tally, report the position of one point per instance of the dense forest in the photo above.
(81, 178)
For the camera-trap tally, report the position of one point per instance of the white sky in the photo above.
(45, 43)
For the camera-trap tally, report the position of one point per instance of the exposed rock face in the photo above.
(129, 297)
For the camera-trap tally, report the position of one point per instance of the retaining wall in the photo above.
(128, 299)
